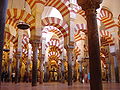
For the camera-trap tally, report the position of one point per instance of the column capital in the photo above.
(42, 57)
(89, 4)
(35, 39)
(18, 54)
(70, 46)
(35, 42)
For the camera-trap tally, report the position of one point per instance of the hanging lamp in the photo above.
(22, 25)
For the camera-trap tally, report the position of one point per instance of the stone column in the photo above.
(3, 7)
(35, 46)
(113, 51)
(116, 69)
(70, 57)
(109, 63)
(28, 69)
(18, 55)
(63, 70)
(17, 72)
(109, 68)
(80, 72)
(10, 60)
(9, 68)
(41, 68)
(114, 31)
(46, 72)
(90, 7)
(28, 60)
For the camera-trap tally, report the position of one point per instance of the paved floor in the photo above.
(56, 86)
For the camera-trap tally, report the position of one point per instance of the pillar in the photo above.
(113, 52)
(114, 31)
(41, 68)
(10, 60)
(116, 69)
(46, 74)
(109, 68)
(90, 7)
(18, 55)
(17, 71)
(35, 46)
(63, 70)
(3, 7)
(29, 60)
(9, 68)
(80, 72)
(70, 57)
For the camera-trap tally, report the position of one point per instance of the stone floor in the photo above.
(56, 86)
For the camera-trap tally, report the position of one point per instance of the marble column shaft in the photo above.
(35, 45)
(70, 57)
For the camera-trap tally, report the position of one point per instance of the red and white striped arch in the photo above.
(78, 29)
(11, 38)
(32, 3)
(106, 37)
(61, 5)
(54, 54)
(54, 30)
(77, 51)
(106, 17)
(58, 23)
(25, 41)
(119, 21)
(55, 43)
(12, 22)
(25, 51)
(105, 52)
(81, 27)
(78, 10)
(119, 25)
(82, 13)
(21, 15)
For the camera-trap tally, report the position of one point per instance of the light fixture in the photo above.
(23, 25)
(6, 50)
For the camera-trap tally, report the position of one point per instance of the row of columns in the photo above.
(95, 69)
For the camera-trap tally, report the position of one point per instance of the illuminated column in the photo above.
(3, 7)
(10, 60)
(35, 46)
(62, 67)
(70, 57)
(114, 31)
(46, 71)
(35, 39)
(28, 60)
(90, 7)
(114, 54)
(63, 70)
(80, 68)
(70, 45)
(18, 55)
(41, 65)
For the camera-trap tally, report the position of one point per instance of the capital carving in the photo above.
(35, 43)
(88, 4)
(70, 46)
(18, 54)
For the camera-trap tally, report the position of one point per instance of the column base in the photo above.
(69, 75)
(34, 84)
(41, 77)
